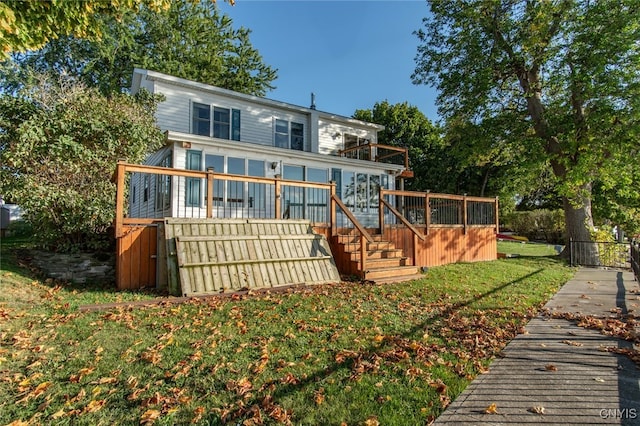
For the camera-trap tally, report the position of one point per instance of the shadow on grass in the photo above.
(378, 352)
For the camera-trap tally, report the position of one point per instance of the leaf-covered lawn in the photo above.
(335, 354)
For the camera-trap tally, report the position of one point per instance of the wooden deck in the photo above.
(213, 253)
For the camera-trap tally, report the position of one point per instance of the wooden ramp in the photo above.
(210, 256)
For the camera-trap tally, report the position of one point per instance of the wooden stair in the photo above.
(384, 262)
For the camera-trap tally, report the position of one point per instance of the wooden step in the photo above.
(355, 238)
(387, 263)
(377, 254)
(386, 273)
(376, 245)
(382, 263)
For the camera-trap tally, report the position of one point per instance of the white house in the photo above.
(234, 133)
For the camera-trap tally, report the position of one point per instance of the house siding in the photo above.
(331, 136)
(324, 135)
(256, 122)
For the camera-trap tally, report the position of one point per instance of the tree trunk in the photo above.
(578, 224)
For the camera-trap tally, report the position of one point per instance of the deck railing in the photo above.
(422, 212)
(436, 210)
(380, 153)
(151, 193)
(363, 236)
(147, 194)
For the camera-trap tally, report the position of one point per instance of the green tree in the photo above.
(407, 127)
(566, 70)
(59, 142)
(28, 25)
(190, 39)
(448, 163)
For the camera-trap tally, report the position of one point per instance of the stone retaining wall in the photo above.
(78, 268)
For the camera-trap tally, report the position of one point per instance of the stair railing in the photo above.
(417, 235)
(363, 235)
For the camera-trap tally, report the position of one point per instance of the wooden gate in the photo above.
(136, 256)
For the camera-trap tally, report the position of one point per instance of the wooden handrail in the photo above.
(369, 146)
(139, 168)
(404, 220)
(405, 193)
(352, 218)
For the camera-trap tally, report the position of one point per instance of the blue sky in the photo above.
(351, 54)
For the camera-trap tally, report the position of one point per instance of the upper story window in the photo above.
(221, 123)
(201, 117)
(289, 135)
(225, 123)
(282, 134)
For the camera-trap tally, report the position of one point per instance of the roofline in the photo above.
(155, 75)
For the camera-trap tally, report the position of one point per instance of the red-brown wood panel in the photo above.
(447, 245)
(136, 257)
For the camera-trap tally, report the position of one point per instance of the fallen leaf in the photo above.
(537, 409)
(491, 409)
(572, 343)
(58, 414)
(95, 405)
(551, 367)
(198, 412)
(372, 421)
(149, 417)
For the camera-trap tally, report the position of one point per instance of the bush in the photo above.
(539, 225)
(20, 228)
(59, 143)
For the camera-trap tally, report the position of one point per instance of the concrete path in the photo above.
(561, 369)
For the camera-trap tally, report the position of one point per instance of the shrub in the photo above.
(545, 225)
(59, 143)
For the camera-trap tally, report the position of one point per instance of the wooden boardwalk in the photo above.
(558, 373)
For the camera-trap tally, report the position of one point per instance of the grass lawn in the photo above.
(334, 354)
(526, 249)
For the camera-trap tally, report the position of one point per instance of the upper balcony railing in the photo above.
(380, 153)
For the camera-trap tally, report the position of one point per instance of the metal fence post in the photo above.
(571, 251)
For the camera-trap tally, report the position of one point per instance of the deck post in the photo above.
(497, 221)
(363, 255)
(120, 174)
(209, 192)
(332, 212)
(464, 213)
(427, 213)
(381, 210)
(278, 194)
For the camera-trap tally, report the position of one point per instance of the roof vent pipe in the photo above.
(313, 100)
